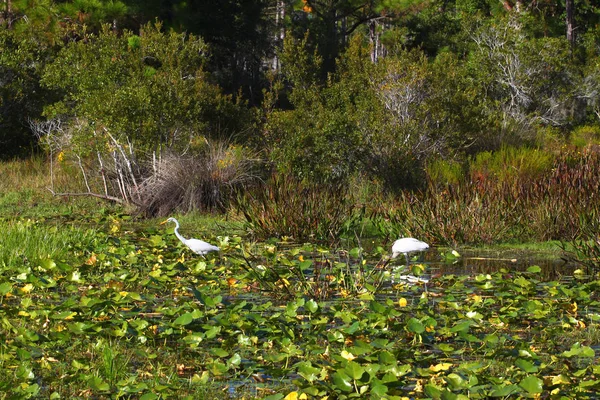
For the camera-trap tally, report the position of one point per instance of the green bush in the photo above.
(444, 173)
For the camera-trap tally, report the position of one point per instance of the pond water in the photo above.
(475, 261)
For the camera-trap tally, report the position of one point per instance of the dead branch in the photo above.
(88, 194)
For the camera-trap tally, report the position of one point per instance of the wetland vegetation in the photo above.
(302, 138)
(96, 302)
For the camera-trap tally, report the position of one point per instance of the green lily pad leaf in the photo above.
(455, 381)
(157, 241)
(504, 390)
(47, 263)
(588, 384)
(433, 391)
(415, 326)
(308, 372)
(135, 296)
(400, 370)
(5, 288)
(532, 384)
(218, 368)
(184, 319)
(342, 381)
(235, 360)
(149, 396)
(24, 372)
(578, 350)
(96, 383)
(385, 357)
(534, 269)
(217, 351)
(491, 339)
(354, 370)
(335, 336)
(311, 306)
(446, 348)
(304, 265)
(526, 366)
(561, 380)
(194, 339)
(462, 326)
(277, 396)
(66, 315)
(379, 389)
(352, 328)
(355, 252)
(212, 332)
(23, 354)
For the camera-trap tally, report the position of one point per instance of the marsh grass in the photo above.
(287, 206)
(207, 181)
(540, 199)
(29, 241)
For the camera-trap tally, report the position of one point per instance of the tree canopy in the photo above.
(323, 89)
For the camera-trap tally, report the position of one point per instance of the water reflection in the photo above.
(473, 262)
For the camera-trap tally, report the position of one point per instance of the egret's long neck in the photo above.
(177, 233)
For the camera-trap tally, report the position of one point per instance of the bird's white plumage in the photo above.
(196, 245)
(406, 246)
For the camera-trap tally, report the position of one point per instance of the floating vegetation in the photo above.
(136, 314)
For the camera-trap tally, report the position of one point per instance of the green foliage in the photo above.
(585, 136)
(108, 85)
(511, 164)
(513, 195)
(27, 243)
(129, 316)
(23, 56)
(444, 173)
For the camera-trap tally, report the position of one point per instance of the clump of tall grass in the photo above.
(287, 206)
(511, 164)
(585, 135)
(206, 181)
(25, 242)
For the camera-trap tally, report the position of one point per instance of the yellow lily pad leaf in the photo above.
(440, 367)
(27, 288)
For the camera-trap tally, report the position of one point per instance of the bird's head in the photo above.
(168, 220)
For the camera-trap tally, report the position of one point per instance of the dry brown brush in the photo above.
(207, 181)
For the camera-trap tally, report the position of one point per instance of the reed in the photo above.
(287, 206)
(548, 197)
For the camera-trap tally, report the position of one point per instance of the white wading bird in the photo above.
(408, 245)
(196, 245)
(405, 246)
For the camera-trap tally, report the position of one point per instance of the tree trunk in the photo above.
(6, 16)
(570, 5)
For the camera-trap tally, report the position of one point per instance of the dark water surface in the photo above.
(473, 262)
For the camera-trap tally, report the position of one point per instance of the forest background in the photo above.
(484, 113)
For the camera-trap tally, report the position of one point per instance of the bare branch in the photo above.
(88, 194)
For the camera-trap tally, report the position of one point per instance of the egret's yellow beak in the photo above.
(164, 222)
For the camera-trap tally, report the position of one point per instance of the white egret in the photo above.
(196, 245)
(408, 245)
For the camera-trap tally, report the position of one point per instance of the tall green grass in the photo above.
(28, 242)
